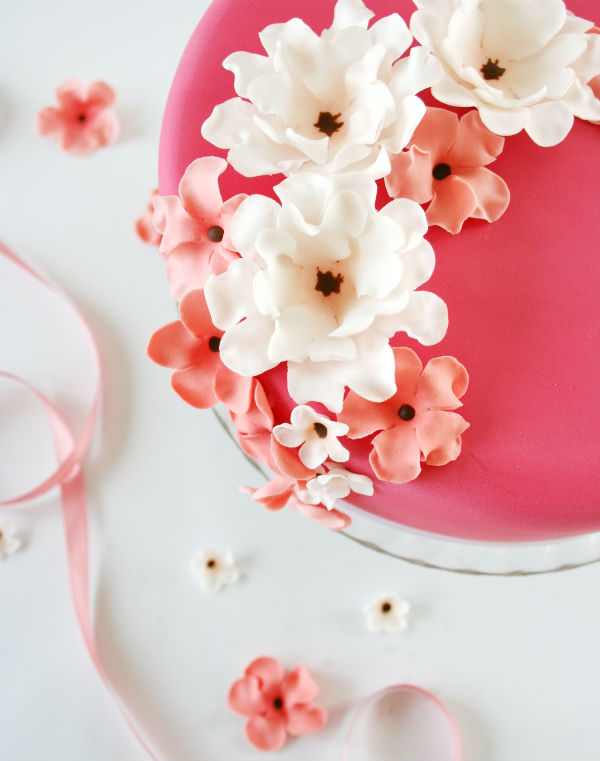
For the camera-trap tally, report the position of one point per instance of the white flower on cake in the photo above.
(341, 100)
(317, 434)
(215, 569)
(387, 614)
(513, 60)
(337, 483)
(323, 282)
(10, 540)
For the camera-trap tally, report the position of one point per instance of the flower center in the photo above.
(491, 70)
(81, 118)
(213, 343)
(406, 412)
(215, 234)
(320, 430)
(328, 283)
(386, 607)
(278, 704)
(327, 123)
(211, 563)
(441, 171)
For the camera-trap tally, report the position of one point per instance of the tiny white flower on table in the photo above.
(10, 541)
(336, 484)
(388, 614)
(215, 569)
(317, 433)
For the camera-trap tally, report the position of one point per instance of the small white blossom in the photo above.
(317, 434)
(10, 540)
(336, 484)
(387, 614)
(215, 569)
(341, 101)
(524, 64)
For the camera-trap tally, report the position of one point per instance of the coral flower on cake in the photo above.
(323, 282)
(195, 227)
(340, 101)
(417, 424)
(276, 703)
(315, 434)
(83, 120)
(191, 346)
(445, 165)
(514, 60)
(144, 226)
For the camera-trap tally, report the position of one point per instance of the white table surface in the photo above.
(516, 660)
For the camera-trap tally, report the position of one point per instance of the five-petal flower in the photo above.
(445, 165)
(315, 434)
(417, 423)
(195, 227)
(336, 483)
(387, 614)
(276, 703)
(215, 569)
(10, 540)
(83, 119)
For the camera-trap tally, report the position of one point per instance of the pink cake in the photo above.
(522, 297)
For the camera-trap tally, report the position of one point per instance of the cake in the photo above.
(495, 369)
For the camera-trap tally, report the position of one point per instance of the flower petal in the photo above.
(174, 346)
(396, 456)
(245, 697)
(195, 315)
(549, 123)
(266, 733)
(492, 193)
(443, 382)
(268, 670)
(235, 391)
(195, 385)
(454, 201)
(439, 436)
(299, 687)
(305, 719)
(474, 144)
(199, 187)
(332, 519)
(411, 176)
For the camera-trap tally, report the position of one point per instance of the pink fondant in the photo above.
(466, 147)
(522, 296)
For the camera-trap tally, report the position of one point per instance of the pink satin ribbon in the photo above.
(70, 451)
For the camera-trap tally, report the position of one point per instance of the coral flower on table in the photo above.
(143, 225)
(83, 119)
(417, 424)
(276, 703)
(446, 165)
(191, 346)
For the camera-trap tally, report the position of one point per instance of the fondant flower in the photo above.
(445, 164)
(387, 614)
(276, 703)
(283, 491)
(337, 483)
(83, 119)
(195, 227)
(323, 282)
(315, 434)
(144, 226)
(339, 101)
(417, 423)
(514, 60)
(191, 346)
(10, 540)
(215, 569)
(587, 68)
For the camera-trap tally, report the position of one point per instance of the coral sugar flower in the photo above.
(83, 119)
(191, 347)
(276, 703)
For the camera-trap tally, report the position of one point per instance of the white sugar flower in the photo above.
(514, 60)
(340, 101)
(215, 569)
(317, 434)
(387, 614)
(336, 484)
(10, 540)
(323, 282)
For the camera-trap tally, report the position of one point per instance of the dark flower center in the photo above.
(211, 563)
(406, 412)
(213, 343)
(327, 123)
(491, 70)
(386, 607)
(278, 704)
(81, 118)
(320, 430)
(441, 171)
(328, 283)
(216, 233)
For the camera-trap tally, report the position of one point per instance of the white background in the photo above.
(516, 660)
